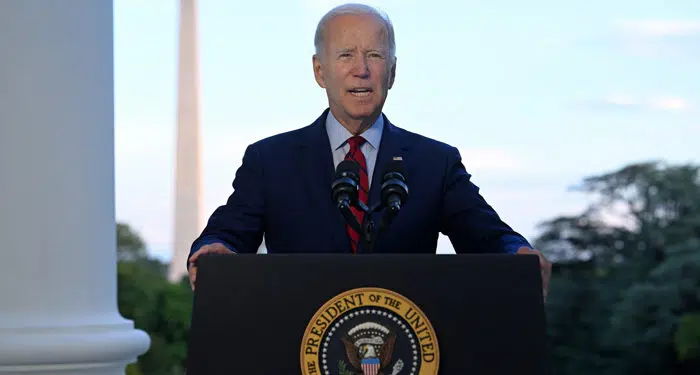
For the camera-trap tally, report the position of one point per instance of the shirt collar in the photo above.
(338, 135)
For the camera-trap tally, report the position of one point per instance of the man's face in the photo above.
(356, 67)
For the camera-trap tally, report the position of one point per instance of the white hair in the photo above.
(357, 9)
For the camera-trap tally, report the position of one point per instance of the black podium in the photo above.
(368, 314)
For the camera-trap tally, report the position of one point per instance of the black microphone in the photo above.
(344, 190)
(394, 191)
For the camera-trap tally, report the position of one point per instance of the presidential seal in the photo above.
(369, 331)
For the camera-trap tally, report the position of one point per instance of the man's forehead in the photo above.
(348, 32)
(356, 23)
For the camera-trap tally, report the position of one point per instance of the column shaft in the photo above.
(57, 220)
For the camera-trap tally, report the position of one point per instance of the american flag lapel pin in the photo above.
(397, 158)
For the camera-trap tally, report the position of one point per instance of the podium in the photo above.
(371, 314)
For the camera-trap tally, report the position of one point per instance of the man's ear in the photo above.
(392, 74)
(318, 71)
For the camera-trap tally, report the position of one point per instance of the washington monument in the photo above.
(187, 173)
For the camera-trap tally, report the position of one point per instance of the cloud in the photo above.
(650, 38)
(660, 38)
(635, 103)
(670, 104)
(659, 28)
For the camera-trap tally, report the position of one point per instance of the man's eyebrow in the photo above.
(343, 50)
(346, 50)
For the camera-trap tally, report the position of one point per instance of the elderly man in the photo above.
(282, 189)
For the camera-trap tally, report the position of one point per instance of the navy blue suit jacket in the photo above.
(283, 191)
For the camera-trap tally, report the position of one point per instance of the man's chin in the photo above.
(355, 111)
(363, 112)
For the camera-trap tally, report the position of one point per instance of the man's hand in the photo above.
(213, 248)
(545, 268)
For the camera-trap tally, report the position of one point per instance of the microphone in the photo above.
(394, 191)
(344, 190)
(344, 187)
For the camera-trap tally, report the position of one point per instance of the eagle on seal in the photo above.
(365, 359)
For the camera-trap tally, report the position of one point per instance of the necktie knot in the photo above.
(356, 141)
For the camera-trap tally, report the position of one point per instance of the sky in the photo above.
(536, 95)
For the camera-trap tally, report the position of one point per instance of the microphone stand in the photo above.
(368, 234)
(349, 217)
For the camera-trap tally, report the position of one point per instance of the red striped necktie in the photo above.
(356, 155)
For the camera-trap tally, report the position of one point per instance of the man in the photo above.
(282, 189)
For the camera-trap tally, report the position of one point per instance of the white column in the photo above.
(58, 305)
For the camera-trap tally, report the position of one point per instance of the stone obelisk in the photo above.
(187, 172)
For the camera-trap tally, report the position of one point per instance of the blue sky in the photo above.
(536, 94)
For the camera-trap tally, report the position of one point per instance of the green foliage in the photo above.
(623, 290)
(158, 307)
(130, 246)
(687, 337)
(133, 369)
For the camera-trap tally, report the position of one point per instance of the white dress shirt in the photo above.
(338, 137)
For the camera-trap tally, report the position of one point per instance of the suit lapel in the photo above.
(394, 143)
(316, 166)
(317, 170)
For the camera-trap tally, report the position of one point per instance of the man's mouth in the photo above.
(360, 91)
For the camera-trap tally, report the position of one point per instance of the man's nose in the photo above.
(361, 68)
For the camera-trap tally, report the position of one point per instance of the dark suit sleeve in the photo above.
(468, 220)
(239, 224)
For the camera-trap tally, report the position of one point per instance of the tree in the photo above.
(130, 245)
(132, 249)
(628, 274)
(156, 306)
